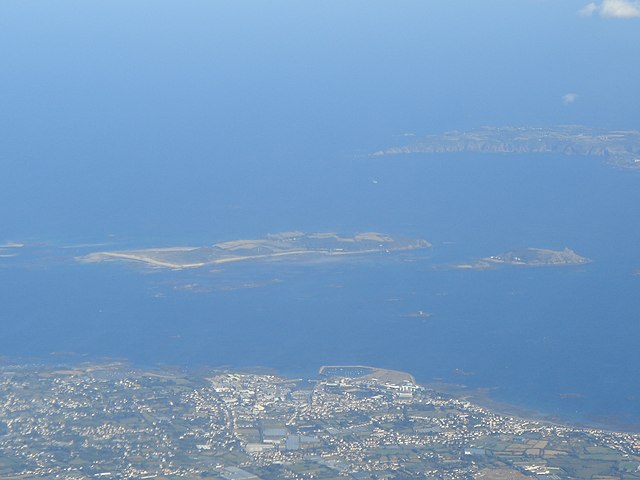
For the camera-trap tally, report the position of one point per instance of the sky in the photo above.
(146, 109)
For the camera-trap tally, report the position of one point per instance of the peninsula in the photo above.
(617, 147)
(277, 246)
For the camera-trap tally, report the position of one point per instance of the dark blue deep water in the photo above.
(559, 340)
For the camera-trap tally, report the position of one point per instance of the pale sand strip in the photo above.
(140, 257)
(100, 256)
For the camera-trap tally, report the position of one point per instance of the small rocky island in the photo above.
(286, 245)
(528, 257)
(617, 147)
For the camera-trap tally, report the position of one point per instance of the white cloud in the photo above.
(620, 8)
(569, 98)
(589, 9)
(613, 9)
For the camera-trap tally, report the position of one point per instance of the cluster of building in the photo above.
(112, 421)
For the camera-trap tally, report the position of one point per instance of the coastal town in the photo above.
(111, 420)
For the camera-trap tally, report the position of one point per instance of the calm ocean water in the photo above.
(559, 340)
(197, 122)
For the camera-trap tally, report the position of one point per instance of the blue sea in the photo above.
(559, 340)
(146, 124)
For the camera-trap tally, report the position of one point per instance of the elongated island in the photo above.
(279, 246)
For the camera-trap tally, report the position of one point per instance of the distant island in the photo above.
(273, 247)
(617, 147)
(528, 257)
